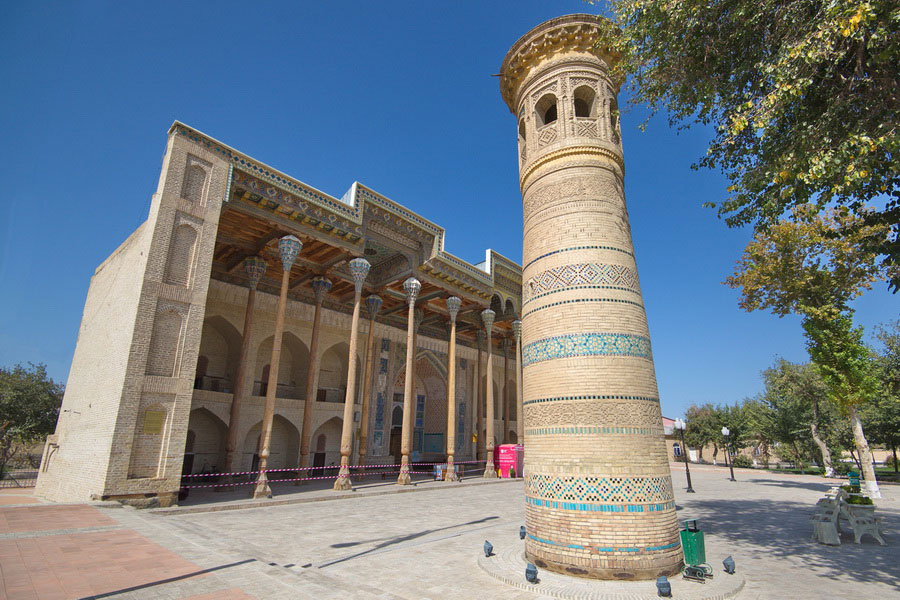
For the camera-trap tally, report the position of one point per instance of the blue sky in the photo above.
(398, 96)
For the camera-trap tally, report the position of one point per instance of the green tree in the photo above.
(803, 96)
(701, 427)
(795, 392)
(29, 407)
(813, 265)
(882, 416)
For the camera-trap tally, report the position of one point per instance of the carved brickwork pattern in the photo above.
(587, 128)
(594, 413)
(547, 136)
(581, 274)
(570, 189)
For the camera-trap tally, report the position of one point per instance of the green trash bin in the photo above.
(692, 544)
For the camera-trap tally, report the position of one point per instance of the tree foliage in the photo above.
(882, 415)
(813, 264)
(29, 407)
(803, 95)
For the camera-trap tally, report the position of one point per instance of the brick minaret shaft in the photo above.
(599, 500)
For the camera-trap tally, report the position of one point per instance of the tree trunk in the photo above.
(799, 458)
(856, 460)
(823, 447)
(862, 446)
(715, 452)
(894, 451)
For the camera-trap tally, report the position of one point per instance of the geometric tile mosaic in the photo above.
(567, 276)
(591, 488)
(605, 549)
(588, 397)
(608, 508)
(586, 344)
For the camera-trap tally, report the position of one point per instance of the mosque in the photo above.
(179, 324)
(226, 334)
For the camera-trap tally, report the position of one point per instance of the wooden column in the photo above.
(479, 401)
(359, 268)
(487, 316)
(289, 247)
(520, 409)
(453, 304)
(504, 344)
(321, 286)
(255, 268)
(412, 287)
(418, 315)
(373, 303)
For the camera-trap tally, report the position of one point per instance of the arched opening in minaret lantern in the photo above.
(545, 110)
(584, 102)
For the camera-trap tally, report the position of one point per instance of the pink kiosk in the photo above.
(509, 455)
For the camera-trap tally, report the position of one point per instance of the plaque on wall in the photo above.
(153, 421)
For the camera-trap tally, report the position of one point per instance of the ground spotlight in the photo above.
(488, 548)
(663, 587)
(522, 532)
(531, 573)
(728, 563)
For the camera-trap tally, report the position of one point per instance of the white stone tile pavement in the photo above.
(426, 544)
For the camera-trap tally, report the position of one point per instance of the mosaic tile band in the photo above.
(643, 490)
(588, 397)
(580, 300)
(608, 508)
(586, 344)
(567, 276)
(573, 248)
(605, 548)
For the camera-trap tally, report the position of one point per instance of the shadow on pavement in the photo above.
(385, 542)
(781, 530)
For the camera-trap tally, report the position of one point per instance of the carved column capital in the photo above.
(255, 267)
(321, 286)
(412, 287)
(288, 248)
(453, 304)
(359, 269)
(373, 303)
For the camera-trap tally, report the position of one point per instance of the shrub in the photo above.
(840, 467)
(863, 500)
(742, 460)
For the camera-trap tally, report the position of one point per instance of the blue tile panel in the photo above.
(588, 397)
(592, 488)
(579, 300)
(578, 274)
(614, 249)
(605, 548)
(611, 508)
(580, 430)
(586, 344)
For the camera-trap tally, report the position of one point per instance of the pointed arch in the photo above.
(220, 347)
(208, 448)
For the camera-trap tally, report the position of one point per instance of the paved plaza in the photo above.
(377, 543)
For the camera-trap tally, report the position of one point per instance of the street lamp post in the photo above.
(680, 425)
(725, 434)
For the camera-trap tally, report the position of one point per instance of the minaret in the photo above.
(599, 500)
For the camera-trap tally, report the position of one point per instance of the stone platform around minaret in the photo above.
(508, 563)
